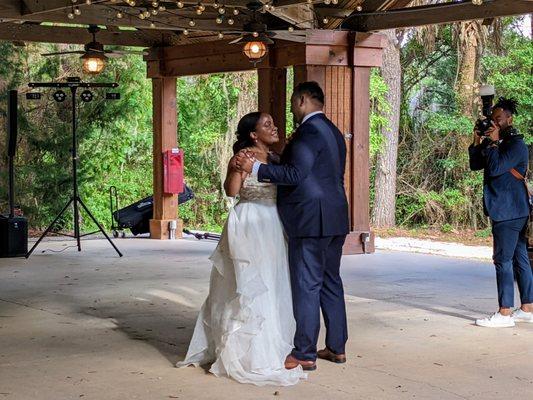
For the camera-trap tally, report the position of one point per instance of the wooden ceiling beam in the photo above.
(103, 15)
(436, 14)
(61, 34)
(45, 6)
(300, 15)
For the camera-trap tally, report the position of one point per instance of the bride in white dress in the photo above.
(246, 325)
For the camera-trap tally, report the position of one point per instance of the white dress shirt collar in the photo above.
(310, 115)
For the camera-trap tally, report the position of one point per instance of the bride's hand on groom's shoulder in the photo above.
(244, 160)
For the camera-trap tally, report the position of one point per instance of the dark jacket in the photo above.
(504, 196)
(311, 196)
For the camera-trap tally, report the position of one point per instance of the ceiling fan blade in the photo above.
(114, 55)
(126, 52)
(236, 40)
(62, 53)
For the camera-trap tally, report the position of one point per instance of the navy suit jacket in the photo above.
(310, 178)
(504, 196)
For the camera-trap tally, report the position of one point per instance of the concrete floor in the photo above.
(94, 326)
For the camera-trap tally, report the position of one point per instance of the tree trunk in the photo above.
(385, 183)
(246, 103)
(469, 38)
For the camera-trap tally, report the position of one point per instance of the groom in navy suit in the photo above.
(314, 211)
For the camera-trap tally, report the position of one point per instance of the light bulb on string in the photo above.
(192, 23)
(222, 10)
(220, 35)
(231, 21)
(179, 4)
(77, 10)
(120, 15)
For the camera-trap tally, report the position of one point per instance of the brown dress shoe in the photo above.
(292, 362)
(327, 354)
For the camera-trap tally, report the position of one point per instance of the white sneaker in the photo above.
(521, 316)
(496, 320)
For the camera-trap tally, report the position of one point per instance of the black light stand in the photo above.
(75, 200)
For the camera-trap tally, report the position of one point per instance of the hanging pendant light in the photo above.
(93, 63)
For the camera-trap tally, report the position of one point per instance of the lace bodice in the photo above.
(252, 189)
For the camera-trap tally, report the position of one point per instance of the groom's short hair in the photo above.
(311, 89)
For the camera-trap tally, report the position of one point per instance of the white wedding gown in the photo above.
(246, 326)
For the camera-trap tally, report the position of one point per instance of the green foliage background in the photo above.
(435, 187)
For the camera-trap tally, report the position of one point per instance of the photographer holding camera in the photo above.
(499, 150)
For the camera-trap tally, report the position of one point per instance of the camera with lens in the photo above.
(487, 96)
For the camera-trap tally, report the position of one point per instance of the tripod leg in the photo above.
(77, 223)
(49, 228)
(99, 226)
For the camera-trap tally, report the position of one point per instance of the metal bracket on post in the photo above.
(365, 238)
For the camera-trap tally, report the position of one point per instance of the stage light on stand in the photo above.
(87, 96)
(60, 96)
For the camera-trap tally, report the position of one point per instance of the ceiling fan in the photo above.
(256, 30)
(94, 55)
(96, 47)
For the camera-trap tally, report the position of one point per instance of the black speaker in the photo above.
(12, 123)
(13, 237)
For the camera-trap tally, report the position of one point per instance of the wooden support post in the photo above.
(272, 92)
(346, 91)
(360, 165)
(165, 138)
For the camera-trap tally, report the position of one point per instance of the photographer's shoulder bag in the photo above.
(529, 230)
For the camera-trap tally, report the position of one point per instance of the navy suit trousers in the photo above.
(511, 260)
(316, 284)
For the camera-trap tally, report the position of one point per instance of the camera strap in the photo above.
(519, 176)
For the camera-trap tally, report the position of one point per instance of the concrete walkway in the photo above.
(91, 325)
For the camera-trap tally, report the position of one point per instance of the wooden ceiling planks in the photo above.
(436, 14)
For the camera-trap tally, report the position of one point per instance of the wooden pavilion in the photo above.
(336, 44)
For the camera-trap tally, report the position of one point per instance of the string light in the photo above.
(222, 10)
(192, 23)
(235, 11)
(120, 15)
(359, 8)
(220, 35)
(179, 4)
(231, 21)
(77, 10)
(185, 32)
(325, 20)
(70, 15)
(219, 20)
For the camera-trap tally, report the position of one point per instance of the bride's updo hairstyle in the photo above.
(246, 126)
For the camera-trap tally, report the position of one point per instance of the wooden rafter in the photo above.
(436, 14)
(31, 32)
(44, 6)
(104, 15)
